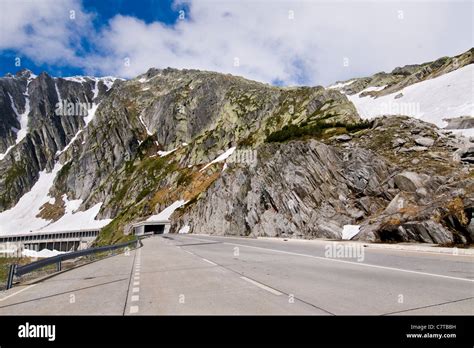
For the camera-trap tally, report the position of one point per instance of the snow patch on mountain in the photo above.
(350, 231)
(468, 133)
(22, 119)
(221, 158)
(22, 217)
(60, 101)
(144, 125)
(108, 81)
(185, 229)
(166, 153)
(90, 116)
(77, 220)
(41, 254)
(432, 100)
(167, 212)
(339, 85)
(78, 79)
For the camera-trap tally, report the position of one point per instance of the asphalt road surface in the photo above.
(188, 274)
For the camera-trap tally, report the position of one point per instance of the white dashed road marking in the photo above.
(136, 289)
(354, 263)
(212, 263)
(262, 286)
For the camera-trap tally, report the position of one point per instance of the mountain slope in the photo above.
(33, 148)
(435, 92)
(240, 157)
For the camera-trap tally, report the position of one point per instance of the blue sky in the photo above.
(285, 42)
(147, 10)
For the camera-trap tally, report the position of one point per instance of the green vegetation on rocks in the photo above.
(315, 130)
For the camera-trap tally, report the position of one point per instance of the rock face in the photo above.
(463, 122)
(310, 189)
(44, 132)
(301, 189)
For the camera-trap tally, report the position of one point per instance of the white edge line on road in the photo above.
(188, 252)
(370, 246)
(136, 283)
(262, 286)
(212, 263)
(135, 298)
(354, 263)
(133, 309)
(16, 293)
(136, 290)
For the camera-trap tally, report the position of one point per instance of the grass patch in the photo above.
(184, 178)
(317, 129)
(54, 211)
(5, 263)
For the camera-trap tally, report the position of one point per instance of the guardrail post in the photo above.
(11, 274)
(58, 266)
(138, 242)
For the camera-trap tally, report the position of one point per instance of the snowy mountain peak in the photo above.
(433, 92)
(25, 73)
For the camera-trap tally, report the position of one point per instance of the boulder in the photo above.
(398, 142)
(408, 181)
(427, 231)
(465, 154)
(414, 148)
(397, 203)
(421, 191)
(462, 122)
(470, 229)
(424, 141)
(343, 137)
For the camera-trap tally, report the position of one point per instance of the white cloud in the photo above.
(45, 31)
(270, 46)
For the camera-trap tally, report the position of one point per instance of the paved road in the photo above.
(187, 274)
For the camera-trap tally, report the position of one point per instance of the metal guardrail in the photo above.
(17, 271)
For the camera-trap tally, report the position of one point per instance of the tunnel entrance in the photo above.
(155, 229)
(151, 227)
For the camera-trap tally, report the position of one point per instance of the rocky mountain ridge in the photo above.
(401, 77)
(303, 163)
